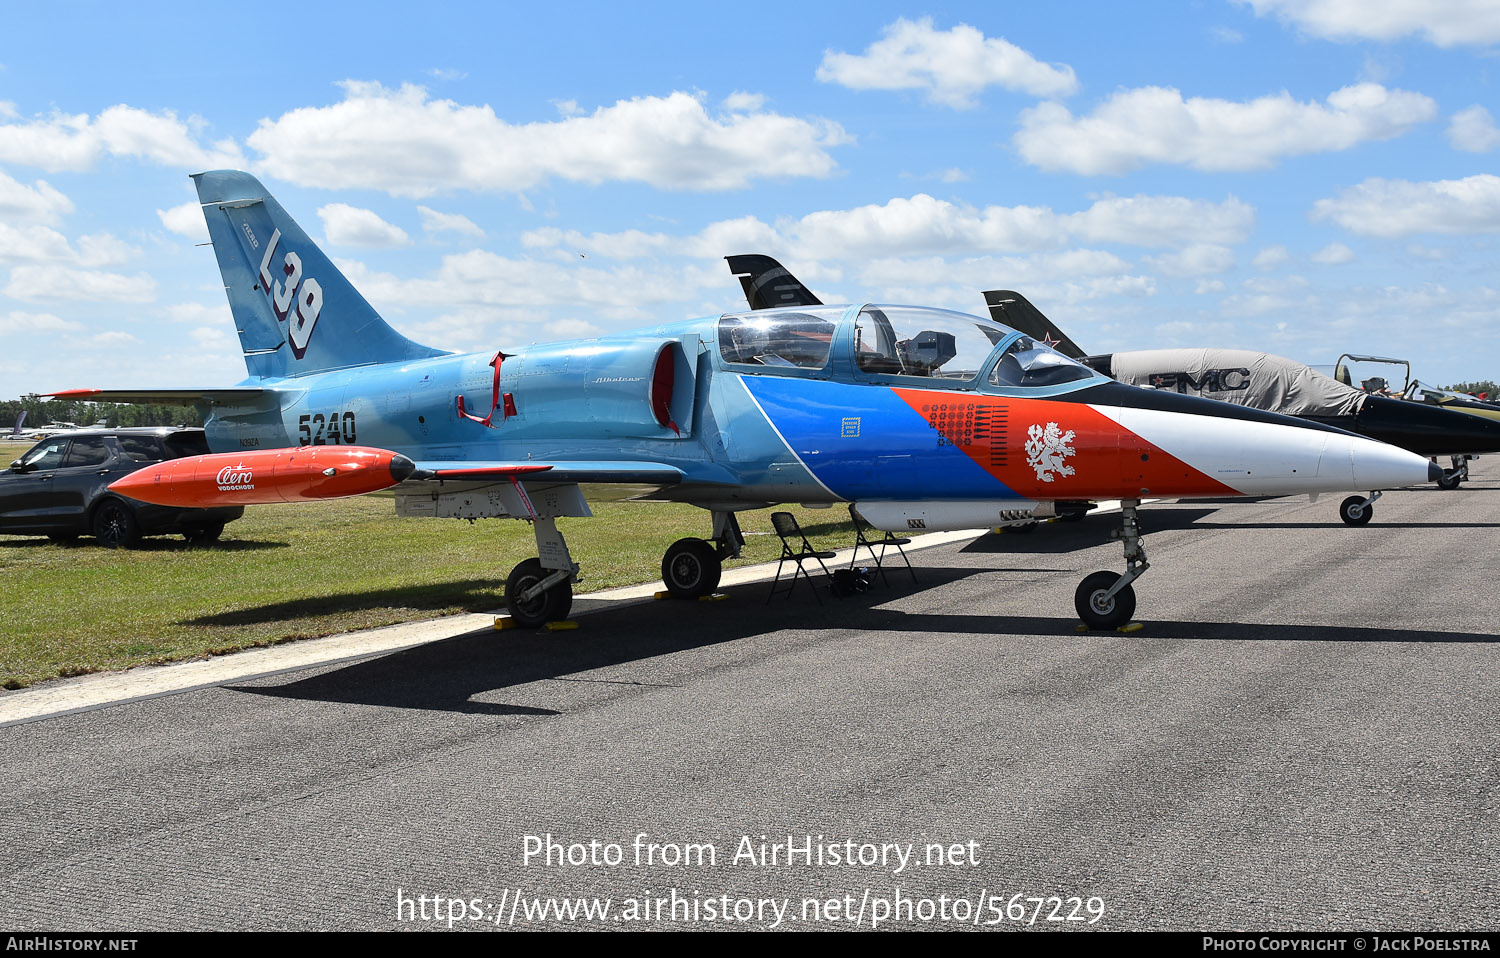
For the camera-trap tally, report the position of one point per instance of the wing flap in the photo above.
(551, 471)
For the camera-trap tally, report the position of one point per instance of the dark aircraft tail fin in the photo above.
(1010, 308)
(295, 312)
(768, 284)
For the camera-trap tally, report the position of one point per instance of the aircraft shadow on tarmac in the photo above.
(448, 674)
(471, 594)
(1053, 538)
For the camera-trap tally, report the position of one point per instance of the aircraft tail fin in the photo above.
(295, 312)
(1010, 308)
(767, 283)
(20, 420)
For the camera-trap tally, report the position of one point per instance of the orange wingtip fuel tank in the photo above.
(266, 476)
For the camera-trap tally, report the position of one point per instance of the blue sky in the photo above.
(1300, 176)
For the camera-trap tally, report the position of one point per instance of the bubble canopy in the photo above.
(937, 347)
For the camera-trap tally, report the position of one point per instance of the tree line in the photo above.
(42, 412)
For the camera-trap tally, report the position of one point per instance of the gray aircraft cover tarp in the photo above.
(1240, 376)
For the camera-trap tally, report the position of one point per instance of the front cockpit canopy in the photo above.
(1028, 363)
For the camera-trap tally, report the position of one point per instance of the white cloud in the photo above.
(435, 222)
(76, 142)
(16, 323)
(1334, 254)
(1199, 259)
(1390, 208)
(1227, 35)
(1271, 257)
(33, 244)
(38, 203)
(346, 225)
(406, 144)
(1164, 220)
(112, 337)
(524, 288)
(1210, 286)
(1146, 125)
(186, 220)
(102, 249)
(1445, 23)
(1473, 130)
(54, 282)
(742, 102)
(989, 272)
(921, 224)
(201, 314)
(42, 244)
(951, 67)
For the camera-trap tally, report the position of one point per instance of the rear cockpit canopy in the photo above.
(797, 337)
(917, 345)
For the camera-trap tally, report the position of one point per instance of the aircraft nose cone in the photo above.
(402, 468)
(1434, 472)
(1378, 465)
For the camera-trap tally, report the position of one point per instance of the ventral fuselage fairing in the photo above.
(921, 418)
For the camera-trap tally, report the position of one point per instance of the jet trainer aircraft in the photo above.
(920, 418)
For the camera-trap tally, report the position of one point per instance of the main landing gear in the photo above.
(1105, 600)
(540, 590)
(691, 567)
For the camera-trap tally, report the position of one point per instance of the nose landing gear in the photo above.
(1105, 600)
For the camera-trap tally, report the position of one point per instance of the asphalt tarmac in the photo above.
(1304, 735)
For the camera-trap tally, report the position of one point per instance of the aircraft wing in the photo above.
(166, 397)
(559, 473)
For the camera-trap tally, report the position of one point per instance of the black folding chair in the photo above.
(869, 542)
(789, 531)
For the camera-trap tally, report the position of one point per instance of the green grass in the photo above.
(290, 572)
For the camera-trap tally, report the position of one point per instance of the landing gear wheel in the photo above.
(204, 533)
(1098, 612)
(1450, 480)
(1023, 528)
(691, 568)
(115, 526)
(544, 607)
(1354, 512)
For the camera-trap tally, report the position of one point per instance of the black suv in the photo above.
(59, 488)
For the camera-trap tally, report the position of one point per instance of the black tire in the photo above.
(62, 538)
(204, 533)
(1023, 528)
(1450, 480)
(1354, 512)
(550, 606)
(691, 568)
(1097, 612)
(115, 525)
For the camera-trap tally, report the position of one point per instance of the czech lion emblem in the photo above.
(1046, 450)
